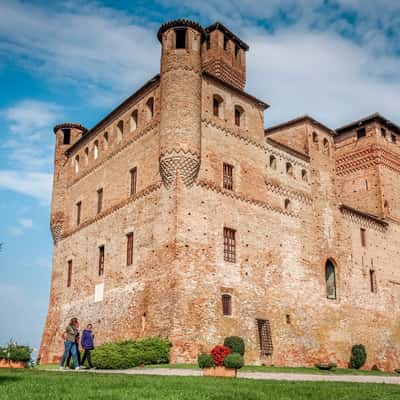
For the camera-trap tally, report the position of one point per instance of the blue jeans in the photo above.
(70, 347)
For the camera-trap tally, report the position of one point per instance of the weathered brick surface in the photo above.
(178, 213)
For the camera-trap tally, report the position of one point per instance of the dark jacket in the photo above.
(87, 340)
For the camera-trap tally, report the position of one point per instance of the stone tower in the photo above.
(180, 123)
(66, 135)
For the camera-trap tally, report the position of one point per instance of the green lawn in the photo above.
(35, 385)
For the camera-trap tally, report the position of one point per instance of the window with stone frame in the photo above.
(99, 200)
(265, 337)
(217, 106)
(330, 280)
(69, 273)
(229, 245)
(66, 136)
(227, 176)
(133, 183)
(101, 260)
(239, 112)
(272, 162)
(180, 38)
(226, 304)
(134, 120)
(129, 249)
(150, 108)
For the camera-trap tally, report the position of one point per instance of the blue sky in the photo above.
(76, 60)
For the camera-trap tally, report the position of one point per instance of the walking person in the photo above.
(87, 343)
(70, 344)
(78, 353)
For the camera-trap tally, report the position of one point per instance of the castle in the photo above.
(180, 215)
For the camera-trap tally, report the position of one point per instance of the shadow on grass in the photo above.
(9, 379)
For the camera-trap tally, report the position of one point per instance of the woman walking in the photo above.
(70, 345)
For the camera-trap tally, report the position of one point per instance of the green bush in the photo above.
(205, 360)
(235, 343)
(234, 360)
(15, 352)
(131, 353)
(358, 356)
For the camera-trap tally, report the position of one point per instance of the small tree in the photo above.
(358, 356)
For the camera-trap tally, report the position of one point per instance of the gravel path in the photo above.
(258, 375)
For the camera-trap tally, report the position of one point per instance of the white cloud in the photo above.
(34, 184)
(101, 52)
(21, 226)
(28, 144)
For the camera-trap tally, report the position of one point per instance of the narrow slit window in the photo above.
(87, 156)
(226, 304)
(69, 274)
(208, 42)
(315, 137)
(129, 248)
(363, 236)
(76, 164)
(228, 176)
(372, 278)
(78, 212)
(330, 279)
(225, 42)
(237, 49)
(101, 260)
(180, 35)
(105, 140)
(229, 245)
(133, 176)
(265, 337)
(99, 200)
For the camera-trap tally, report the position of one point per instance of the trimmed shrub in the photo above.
(235, 343)
(205, 360)
(219, 353)
(358, 356)
(131, 353)
(234, 360)
(15, 352)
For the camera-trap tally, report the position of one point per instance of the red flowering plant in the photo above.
(219, 353)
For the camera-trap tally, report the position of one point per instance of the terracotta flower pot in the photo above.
(12, 364)
(220, 371)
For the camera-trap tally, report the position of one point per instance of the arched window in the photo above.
(239, 114)
(287, 205)
(326, 145)
(227, 304)
(289, 169)
(134, 120)
(87, 156)
(304, 175)
(217, 106)
(150, 108)
(180, 38)
(76, 164)
(120, 130)
(314, 137)
(272, 162)
(96, 150)
(330, 279)
(106, 140)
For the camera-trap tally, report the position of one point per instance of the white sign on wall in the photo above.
(98, 292)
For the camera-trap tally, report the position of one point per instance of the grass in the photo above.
(38, 385)
(259, 368)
